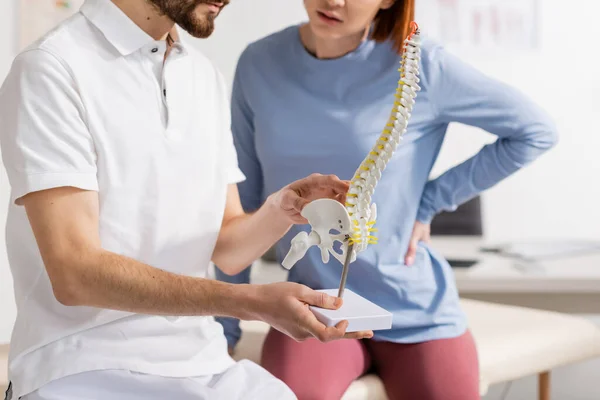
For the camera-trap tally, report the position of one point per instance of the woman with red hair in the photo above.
(314, 97)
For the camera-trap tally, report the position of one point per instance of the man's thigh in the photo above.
(244, 380)
(247, 380)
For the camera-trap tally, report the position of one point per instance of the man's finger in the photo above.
(341, 327)
(299, 219)
(320, 331)
(325, 182)
(359, 335)
(337, 184)
(299, 203)
(412, 251)
(322, 300)
(341, 197)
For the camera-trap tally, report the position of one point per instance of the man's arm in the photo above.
(245, 237)
(64, 221)
(65, 224)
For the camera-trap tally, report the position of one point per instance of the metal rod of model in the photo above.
(355, 222)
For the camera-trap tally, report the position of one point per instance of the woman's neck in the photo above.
(326, 48)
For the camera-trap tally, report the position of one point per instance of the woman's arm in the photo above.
(461, 93)
(242, 128)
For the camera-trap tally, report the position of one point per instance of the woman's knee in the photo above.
(445, 369)
(314, 370)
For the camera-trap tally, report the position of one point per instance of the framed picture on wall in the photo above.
(37, 17)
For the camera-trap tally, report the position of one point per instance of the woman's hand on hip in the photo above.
(421, 233)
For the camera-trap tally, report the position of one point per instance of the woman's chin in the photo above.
(326, 32)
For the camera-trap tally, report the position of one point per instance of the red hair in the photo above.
(394, 23)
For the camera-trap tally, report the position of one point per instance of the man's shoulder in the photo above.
(50, 55)
(205, 68)
(68, 37)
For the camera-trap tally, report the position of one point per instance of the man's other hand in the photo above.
(285, 306)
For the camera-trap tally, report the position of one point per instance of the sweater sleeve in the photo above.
(461, 93)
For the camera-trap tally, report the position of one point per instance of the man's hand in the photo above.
(291, 199)
(285, 306)
(421, 233)
(245, 237)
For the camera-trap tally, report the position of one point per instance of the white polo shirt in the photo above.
(85, 107)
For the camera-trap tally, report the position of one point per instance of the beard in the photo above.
(182, 12)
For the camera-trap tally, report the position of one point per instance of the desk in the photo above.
(570, 284)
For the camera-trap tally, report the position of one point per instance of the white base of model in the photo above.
(361, 314)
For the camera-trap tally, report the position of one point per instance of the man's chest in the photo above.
(140, 121)
(159, 159)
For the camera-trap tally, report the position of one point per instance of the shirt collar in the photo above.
(117, 27)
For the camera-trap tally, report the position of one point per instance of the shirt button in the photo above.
(154, 49)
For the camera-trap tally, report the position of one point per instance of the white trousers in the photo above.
(245, 380)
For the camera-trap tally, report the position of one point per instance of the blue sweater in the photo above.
(293, 115)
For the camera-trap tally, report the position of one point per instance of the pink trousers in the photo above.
(445, 369)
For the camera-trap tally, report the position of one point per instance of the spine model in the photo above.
(362, 213)
(355, 222)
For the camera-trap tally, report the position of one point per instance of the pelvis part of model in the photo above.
(354, 224)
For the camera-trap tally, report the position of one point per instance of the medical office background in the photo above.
(547, 48)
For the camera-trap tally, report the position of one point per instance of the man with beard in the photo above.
(123, 174)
